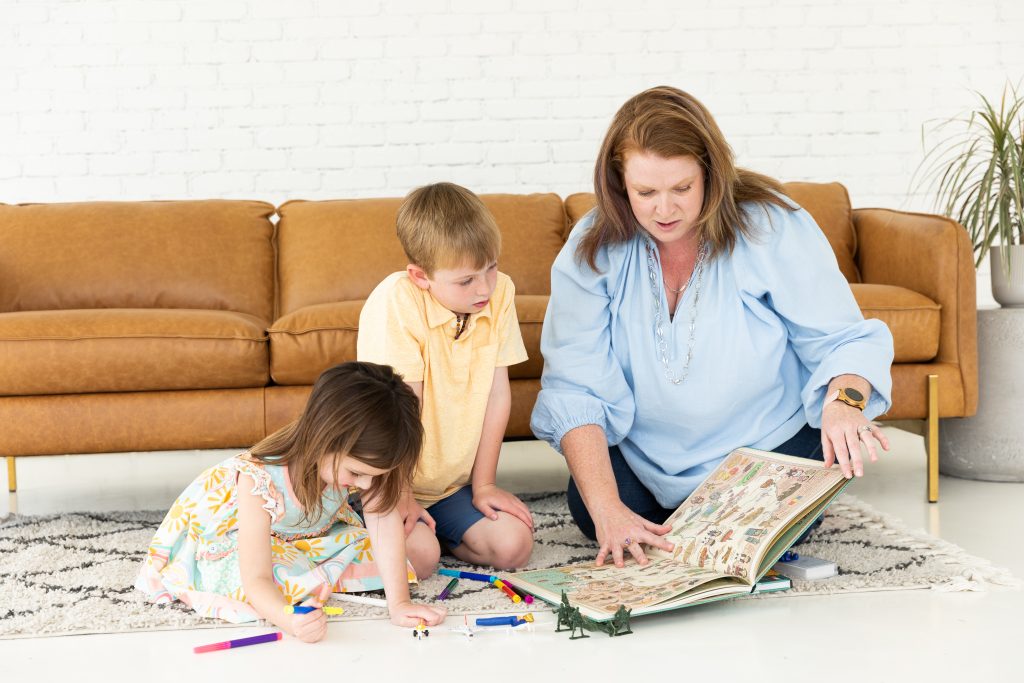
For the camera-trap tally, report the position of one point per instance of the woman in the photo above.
(695, 310)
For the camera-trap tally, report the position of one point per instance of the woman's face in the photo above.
(666, 194)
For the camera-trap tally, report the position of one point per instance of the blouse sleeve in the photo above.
(790, 266)
(583, 383)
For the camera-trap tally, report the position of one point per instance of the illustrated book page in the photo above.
(732, 522)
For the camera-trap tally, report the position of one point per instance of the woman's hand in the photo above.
(409, 614)
(619, 529)
(412, 512)
(312, 627)
(489, 499)
(843, 429)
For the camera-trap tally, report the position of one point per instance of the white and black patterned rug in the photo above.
(73, 573)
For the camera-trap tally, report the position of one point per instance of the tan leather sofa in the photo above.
(135, 326)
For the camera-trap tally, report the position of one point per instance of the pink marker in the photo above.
(240, 642)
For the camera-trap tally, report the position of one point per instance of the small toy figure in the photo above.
(620, 622)
(571, 618)
(562, 613)
(465, 629)
(576, 621)
(421, 631)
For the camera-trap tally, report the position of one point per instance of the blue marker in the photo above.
(306, 609)
(486, 578)
(504, 621)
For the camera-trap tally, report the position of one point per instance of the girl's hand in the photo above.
(412, 512)
(619, 529)
(409, 614)
(843, 429)
(489, 499)
(312, 627)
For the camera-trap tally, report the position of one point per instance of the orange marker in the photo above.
(508, 591)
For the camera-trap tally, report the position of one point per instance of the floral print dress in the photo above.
(194, 555)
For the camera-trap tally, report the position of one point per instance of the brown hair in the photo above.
(671, 123)
(444, 225)
(361, 410)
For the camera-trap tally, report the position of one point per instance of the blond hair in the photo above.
(360, 410)
(671, 123)
(446, 226)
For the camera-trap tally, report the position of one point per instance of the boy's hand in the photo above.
(410, 613)
(312, 627)
(489, 499)
(412, 512)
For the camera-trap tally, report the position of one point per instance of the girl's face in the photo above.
(666, 194)
(347, 472)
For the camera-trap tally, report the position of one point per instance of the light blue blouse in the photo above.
(776, 321)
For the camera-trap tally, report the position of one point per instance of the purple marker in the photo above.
(448, 589)
(240, 642)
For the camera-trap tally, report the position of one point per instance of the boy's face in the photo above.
(460, 290)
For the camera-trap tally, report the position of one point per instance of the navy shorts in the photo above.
(454, 515)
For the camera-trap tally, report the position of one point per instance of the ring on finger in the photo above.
(628, 542)
(864, 428)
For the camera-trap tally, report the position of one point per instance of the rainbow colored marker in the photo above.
(306, 609)
(240, 642)
(508, 591)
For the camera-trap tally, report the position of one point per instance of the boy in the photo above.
(448, 324)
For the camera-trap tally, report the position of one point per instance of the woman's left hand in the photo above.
(843, 430)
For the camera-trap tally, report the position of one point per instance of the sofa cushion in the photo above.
(340, 250)
(530, 308)
(306, 342)
(212, 254)
(828, 204)
(103, 350)
(576, 207)
(912, 318)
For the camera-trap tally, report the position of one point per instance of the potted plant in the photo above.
(978, 174)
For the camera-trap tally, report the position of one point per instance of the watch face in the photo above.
(854, 394)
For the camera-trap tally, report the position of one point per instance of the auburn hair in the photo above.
(671, 123)
(360, 410)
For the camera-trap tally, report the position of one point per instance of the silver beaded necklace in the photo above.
(698, 275)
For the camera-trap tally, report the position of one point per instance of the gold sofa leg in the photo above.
(932, 438)
(12, 475)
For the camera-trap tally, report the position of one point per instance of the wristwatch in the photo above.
(850, 397)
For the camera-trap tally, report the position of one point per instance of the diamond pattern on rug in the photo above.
(70, 573)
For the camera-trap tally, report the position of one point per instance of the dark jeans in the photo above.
(805, 444)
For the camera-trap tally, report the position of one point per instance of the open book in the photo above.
(726, 537)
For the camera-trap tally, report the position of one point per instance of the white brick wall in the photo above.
(135, 99)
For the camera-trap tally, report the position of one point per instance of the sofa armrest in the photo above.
(931, 255)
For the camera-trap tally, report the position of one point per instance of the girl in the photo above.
(273, 526)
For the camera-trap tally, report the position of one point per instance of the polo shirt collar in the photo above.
(438, 315)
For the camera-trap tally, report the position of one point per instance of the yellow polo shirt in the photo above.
(403, 326)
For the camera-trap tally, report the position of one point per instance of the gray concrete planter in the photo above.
(990, 445)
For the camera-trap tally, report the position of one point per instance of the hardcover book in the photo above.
(726, 536)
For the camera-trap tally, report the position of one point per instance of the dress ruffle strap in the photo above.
(273, 502)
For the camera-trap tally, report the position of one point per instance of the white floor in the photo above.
(913, 635)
